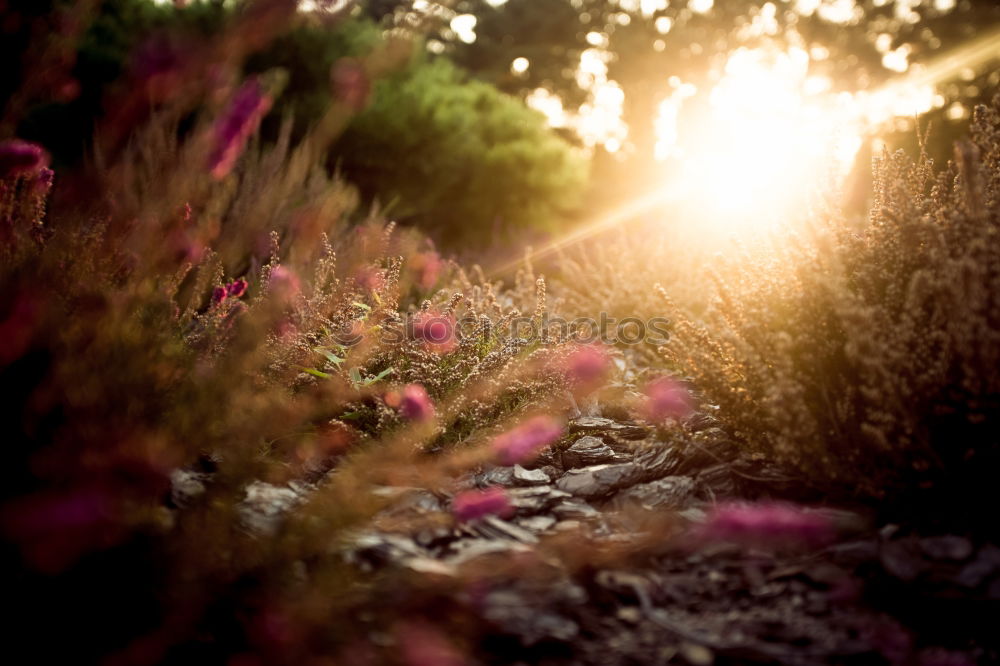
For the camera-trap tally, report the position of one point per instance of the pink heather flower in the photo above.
(350, 83)
(219, 294)
(21, 158)
(284, 282)
(436, 330)
(666, 398)
(428, 266)
(370, 278)
(236, 288)
(586, 366)
(476, 504)
(423, 645)
(415, 404)
(524, 442)
(232, 130)
(767, 523)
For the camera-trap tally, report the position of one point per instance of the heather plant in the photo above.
(590, 278)
(201, 301)
(866, 359)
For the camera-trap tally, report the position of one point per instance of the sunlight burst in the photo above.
(770, 132)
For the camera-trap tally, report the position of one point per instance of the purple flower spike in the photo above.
(587, 366)
(768, 524)
(21, 158)
(234, 127)
(666, 398)
(476, 504)
(526, 440)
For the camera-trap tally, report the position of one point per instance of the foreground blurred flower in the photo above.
(476, 504)
(413, 403)
(767, 524)
(525, 441)
(21, 158)
(232, 130)
(437, 331)
(427, 267)
(158, 68)
(284, 283)
(273, 627)
(370, 278)
(667, 398)
(586, 367)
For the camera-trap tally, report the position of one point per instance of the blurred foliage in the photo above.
(306, 53)
(550, 33)
(111, 44)
(158, 314)
(496, 166)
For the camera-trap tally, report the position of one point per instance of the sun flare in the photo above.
(768, 135)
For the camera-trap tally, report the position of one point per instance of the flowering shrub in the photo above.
(201, 303)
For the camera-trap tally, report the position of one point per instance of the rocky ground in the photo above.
(600, 562)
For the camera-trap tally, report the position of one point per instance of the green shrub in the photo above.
(458, 157)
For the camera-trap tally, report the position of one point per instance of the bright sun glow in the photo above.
(769, 134)
(772, 135)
